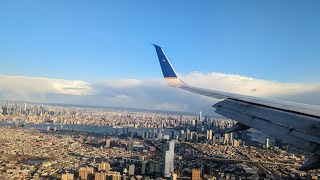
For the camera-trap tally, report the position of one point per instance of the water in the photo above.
(259, 136)
(34, 161)
(109, 130)
(91, 128)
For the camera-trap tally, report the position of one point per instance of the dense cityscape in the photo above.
(55, 142)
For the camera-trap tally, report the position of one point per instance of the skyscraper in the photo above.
(103, 166)
(200, 117)
(267, 143)
(182, 134)
(108, 141)
(167, 159)
(5, 110)
(25, 107)
(129, 146)
(131, 169)
(85, 173)
(231, 138)
(143, 167)
(226, 138)
(172, 134)
(188, 135)
(278, 143)
(210, 135)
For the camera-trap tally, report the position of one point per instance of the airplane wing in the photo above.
(295, 123)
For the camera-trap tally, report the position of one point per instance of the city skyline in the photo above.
(125, 93)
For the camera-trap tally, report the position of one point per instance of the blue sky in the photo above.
(95, 40)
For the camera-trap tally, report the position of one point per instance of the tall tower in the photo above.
(200, 117)
(267, 143)
(108, 142)
(25, 106)
(231, 138)
(167, 159)
(210, 135)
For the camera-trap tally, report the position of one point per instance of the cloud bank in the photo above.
(150, 94)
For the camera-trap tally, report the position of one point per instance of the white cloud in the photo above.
(248, 86)
(22, 87)
(150, 94)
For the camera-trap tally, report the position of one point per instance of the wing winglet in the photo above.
(168, 72)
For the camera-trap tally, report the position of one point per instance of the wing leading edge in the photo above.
(298, 124)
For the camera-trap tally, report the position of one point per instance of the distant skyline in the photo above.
(80, 40)
(100, 53)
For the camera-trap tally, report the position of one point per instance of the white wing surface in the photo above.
(295, 123)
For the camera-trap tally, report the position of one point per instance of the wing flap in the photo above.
(289, 119)
(270, 128)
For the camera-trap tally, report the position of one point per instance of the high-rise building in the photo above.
(288, 148)
(172, 134)
(85, 173)
(235, 143)
(193, 122)
(131, 169)
(168, 158)
(129, 146)
(209, 135)
(154, 168)
(182, 134)
(67, 176)
(114, 175)
(100, 176)
(231, 138)
(25, 107)
(226, 138)
(188, 135)
(110, 175)
(104, 166)
(5, 110)
(214, 140)
(196, 136)
(125, 171)
(267, 143)
(278, 143)
(196, 174)
(200, 117)
(108, 142)
(143, 167)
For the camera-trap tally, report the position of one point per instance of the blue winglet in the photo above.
(167, 69)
